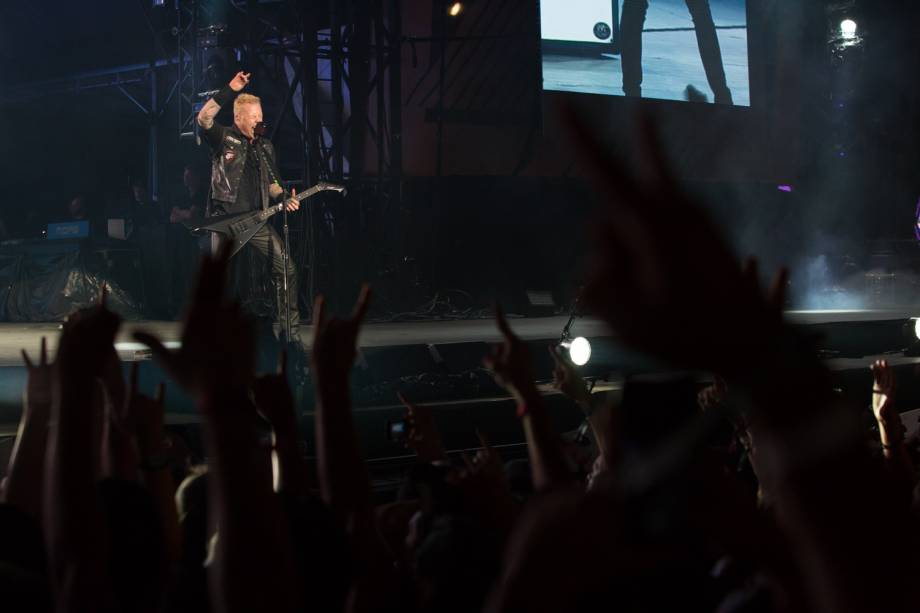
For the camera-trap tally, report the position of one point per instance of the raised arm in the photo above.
(511, 364)
(669, 284)
(212, 107)
(275, 401)
(73, 523)
(215, 365)
(890, 428)
(24, 474)
(343, 477)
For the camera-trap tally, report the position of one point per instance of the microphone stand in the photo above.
(284, 261)
(284, 256)
(574, 313)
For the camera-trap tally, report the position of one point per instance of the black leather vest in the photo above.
(228, 162)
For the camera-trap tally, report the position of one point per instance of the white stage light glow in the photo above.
(580, 351)
(848, 28)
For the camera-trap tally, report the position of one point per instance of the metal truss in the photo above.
(323, 67)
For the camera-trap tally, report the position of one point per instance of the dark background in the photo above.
(838, 126)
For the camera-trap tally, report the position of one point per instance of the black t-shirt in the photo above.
(249, 196)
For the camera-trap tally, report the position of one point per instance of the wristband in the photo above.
(225, 96)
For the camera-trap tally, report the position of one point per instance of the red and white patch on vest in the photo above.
(230, 156)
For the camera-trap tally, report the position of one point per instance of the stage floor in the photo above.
(17, 336)
(390, 342)
(670, 59)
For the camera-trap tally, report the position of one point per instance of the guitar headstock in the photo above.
(323, 186)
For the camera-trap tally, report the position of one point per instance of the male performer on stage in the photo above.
(631, 24)
(245, 177)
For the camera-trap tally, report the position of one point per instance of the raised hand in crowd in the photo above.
(146, 415)
(512, 367)
(343, 480)
(883, 389)
(335, 340)
(118, 442)
(275, 401)
(75, 535)
(891, 429)
(423, 435)
(485, 487)
(512, 364)
(668, 283)
(216, 364)
(342, 476)
(23, 484)
(596, 408)
(664, 277)
(217, 352)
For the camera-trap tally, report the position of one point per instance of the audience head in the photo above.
(193, 178)
(139, 191)
(77, 208)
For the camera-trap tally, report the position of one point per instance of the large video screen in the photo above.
(694, 50)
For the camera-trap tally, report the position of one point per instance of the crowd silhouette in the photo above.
(766, 492)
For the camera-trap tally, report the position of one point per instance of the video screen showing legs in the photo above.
(692, 50)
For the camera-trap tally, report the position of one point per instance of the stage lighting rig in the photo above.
(912, 329)
(214, 36)
(848, 29)
(845, 35)
(910, 333)
(579, 350)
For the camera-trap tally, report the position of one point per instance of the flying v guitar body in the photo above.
(240, 227)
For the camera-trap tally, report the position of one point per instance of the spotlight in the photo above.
(848, 28)
(579, 350)
(910, 333)
(455, 9)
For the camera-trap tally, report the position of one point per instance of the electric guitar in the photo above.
(240, 227)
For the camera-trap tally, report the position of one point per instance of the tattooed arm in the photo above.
(209, 111)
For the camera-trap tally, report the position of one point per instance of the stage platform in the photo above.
(438, 363)
(16, 336)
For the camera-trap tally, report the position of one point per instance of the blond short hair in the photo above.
(244, 99)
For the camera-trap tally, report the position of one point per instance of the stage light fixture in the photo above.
(579, 350)
(910, 334)
(455, 9)
(848, 28)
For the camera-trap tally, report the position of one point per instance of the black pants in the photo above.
(269, 245)
(267, 242)
(633, 21)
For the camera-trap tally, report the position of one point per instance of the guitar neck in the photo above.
(274, 210)
(307, 193)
